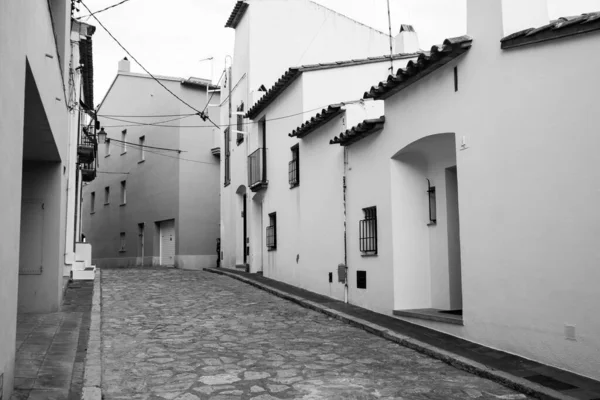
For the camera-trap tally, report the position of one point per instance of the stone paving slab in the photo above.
(525, 375)
(190, 335)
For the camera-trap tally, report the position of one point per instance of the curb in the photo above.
(92, 380)
(513, 382)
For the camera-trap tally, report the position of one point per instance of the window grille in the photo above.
(294, 167)
(106, 195)
(432, 205)
(272, 232)
(93, 202)
(240, 124)
(368, 231)
(227, 160)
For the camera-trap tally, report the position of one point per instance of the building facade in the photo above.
(45, 74)
(156, 198)
(458, 196)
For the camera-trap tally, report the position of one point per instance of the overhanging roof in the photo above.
(236, 15)
(563, 27)
(425, 64)
(360, 131)
(326, 115)
(294, 72)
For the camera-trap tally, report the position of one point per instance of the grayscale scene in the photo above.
(299, 199)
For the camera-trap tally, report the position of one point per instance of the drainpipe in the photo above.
(345, 233)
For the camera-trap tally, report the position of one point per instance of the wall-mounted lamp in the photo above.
(432, 208)
(102, 136)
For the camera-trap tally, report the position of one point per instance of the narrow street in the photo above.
(187, 335)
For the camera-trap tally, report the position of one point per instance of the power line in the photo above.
(214, 91)
(226, 125)
(104, 9)
(199, 113)
(146, 116)
(150, 123)
(182, 159)
(145, 146)
(116, 173)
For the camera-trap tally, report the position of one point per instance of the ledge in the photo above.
(431, 314)
(122, 204)
(108, 155)
(369, 255)
(141, 161)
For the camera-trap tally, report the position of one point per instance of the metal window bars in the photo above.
(294, 173)
(227, 163)
(240, 124)
(368, 231)
(272, 232)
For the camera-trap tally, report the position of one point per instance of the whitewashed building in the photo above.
(46, 81)
(343, 48)
(466, 204)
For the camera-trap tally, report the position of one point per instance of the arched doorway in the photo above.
(425, 226)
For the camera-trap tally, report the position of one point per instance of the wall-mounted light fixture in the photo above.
(101, 136)
(432, 207)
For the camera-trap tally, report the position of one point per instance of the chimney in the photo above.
(407, 40)
(491, 20)
(124, 65)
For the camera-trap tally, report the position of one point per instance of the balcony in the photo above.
(86, 150)
(88, 172)
(257, 170)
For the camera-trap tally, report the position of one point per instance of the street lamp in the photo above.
(102, 136)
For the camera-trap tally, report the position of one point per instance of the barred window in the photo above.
(123, 242)
(368, 231)
(272, 232)
(227, 161)
(294, 167)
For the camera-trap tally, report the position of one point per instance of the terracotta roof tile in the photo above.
(236, 15)
(560, 28)
(294, 72)
(425, 64)
(360, 131)
(326, 115)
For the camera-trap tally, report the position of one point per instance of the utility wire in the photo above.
(182, 159)
(145, 146)
(116, 173)
(146, 116)
(150, 123)
(214, 91)
(199, 113)
(104, 9)
(243, 123)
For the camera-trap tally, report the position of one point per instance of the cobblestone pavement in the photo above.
(188, 335)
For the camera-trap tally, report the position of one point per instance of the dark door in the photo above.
(244, 215)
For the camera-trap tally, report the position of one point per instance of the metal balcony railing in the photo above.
(257, 169)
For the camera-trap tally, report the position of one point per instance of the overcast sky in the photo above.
(172, 37)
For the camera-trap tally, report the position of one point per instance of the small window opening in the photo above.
(368, 231)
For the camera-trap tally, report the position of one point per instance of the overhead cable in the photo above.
(104, 9)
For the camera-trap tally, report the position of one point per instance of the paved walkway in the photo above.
(187, 335)
(50, 348)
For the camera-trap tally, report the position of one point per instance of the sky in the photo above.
(176, 37)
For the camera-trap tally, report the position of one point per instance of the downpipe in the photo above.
(344, 182)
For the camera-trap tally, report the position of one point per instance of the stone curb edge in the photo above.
(513, 382)
(92, 381)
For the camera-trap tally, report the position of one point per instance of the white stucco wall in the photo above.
(26, 36)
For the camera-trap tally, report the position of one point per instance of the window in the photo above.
(361, 279)
(93, 203)
(107, 148)
(142, 153)
(272, 232)
(227, 161)
(107, 195)
(123, 192)
(294, 167)
(240, 124)
(124, 142)
(368, 231)
(123, 242)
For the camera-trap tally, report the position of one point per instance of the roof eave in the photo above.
(551, 34)
(322, 118)
(236, 15)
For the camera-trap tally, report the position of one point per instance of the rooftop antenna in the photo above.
(391, 46)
